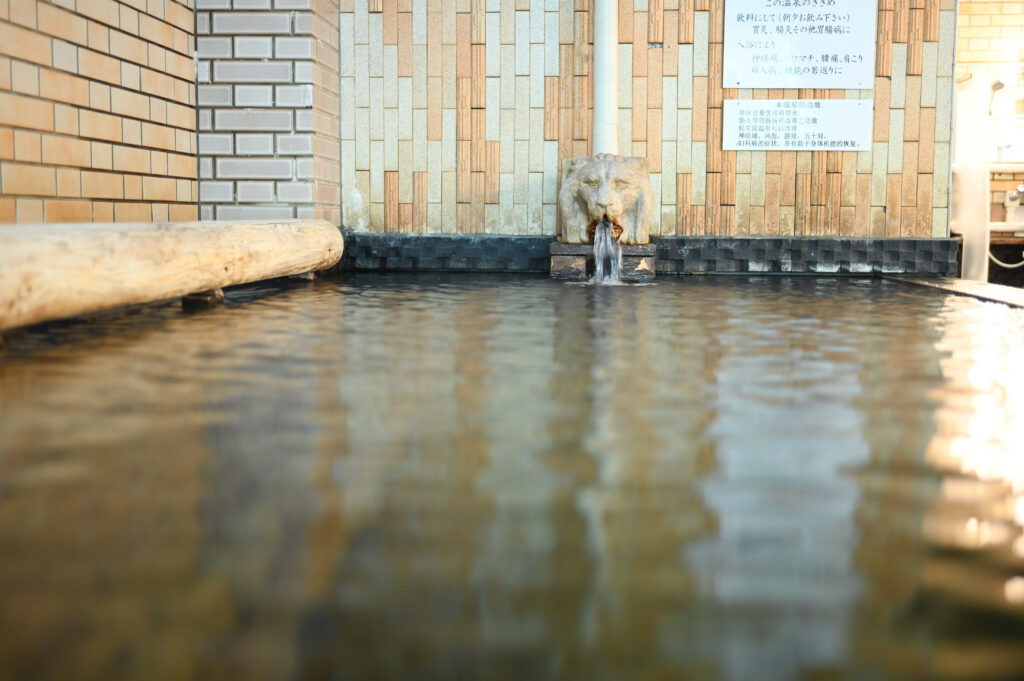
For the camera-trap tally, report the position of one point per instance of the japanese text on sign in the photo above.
(797, 124)
(799, 44)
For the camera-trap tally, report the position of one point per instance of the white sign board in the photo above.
(797, 124)
(800, 44)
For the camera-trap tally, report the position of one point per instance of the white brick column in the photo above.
(256, 115)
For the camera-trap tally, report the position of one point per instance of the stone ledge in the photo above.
(994, 293)
(558, 248)
(575, 261)
(569, 267)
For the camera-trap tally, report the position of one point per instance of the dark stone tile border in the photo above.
(807, 255)
(675, 254)
(444, 252)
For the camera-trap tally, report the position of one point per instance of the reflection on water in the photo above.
(786, 427)
(484, 477)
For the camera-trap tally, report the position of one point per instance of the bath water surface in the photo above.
(495, 477)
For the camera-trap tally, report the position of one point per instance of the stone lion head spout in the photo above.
(605, 187)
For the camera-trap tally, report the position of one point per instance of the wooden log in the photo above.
(59, 270)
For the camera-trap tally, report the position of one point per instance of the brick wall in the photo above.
(263, 71)
(326, 112)
(97, 117)
(990, 32)
(456, 115)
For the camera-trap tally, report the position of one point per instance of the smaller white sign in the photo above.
(797, 124)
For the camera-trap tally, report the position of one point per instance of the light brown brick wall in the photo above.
(97, 110)
(326, 112)
(989, 32)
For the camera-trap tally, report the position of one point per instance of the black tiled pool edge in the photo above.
(444, 252)
(675, 254)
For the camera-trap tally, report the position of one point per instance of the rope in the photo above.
(1003, 264)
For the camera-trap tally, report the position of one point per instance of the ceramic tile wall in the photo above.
(899, 188)
(456, 114)
(97, 110)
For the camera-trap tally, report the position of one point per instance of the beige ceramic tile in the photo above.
(390, 122)
(536, 140)
(655, 223)
(757, 178)
(940, 222)
(625, 128)
(550, 172)
(940, 180)
(377, 172)
(929, 74)
(700, 44)
(625, 83)
(742, 205)
(899, 74)
(419, 140)
(947, 42)
(698, 166)
(880, 158)
(684, 127)
(895, 160)
(669, 169)
(684, 93)
(943, 109)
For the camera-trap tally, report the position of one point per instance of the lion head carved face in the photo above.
(605, 187)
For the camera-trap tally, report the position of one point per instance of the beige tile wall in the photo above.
(97, 117)
(456, 112)
(456, 115)
(899, 188)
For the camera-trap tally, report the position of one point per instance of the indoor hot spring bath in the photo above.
(511, 477)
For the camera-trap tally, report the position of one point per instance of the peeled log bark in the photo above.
(59, 270)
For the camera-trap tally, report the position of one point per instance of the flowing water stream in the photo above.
(607, 255)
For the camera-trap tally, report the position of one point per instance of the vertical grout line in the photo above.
(195, 69)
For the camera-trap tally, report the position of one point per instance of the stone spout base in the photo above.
(576, 262)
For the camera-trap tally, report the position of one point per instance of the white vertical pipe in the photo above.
(606, 77)
(970, 200)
